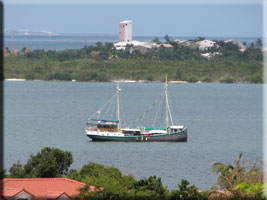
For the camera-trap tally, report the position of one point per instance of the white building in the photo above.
(125, 31)
(125, 36)
(206, 44)
(241, 46)
(123, 45)
(210, 55)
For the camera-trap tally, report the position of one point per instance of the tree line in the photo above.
(102, 62)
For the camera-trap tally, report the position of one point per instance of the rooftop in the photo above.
(126, 21)
(41, 188)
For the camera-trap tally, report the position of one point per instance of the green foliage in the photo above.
(251, 191)
(259, 43)
(115, 185)
(102, 62)
(256, 78)
(156, 40)
(3, 174)
(191, 78)
(185, 192)
(17, 171)
(227, 80)
(88, 69)
(167, 38)
(110, 183)
(238, 178)
(50, 162)
(205, 79)
(152, 186)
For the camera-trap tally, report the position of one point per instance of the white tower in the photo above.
(125, 31)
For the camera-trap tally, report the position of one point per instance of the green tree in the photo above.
(185, 192)
(99, 45)
(50, 162)
(259, 43)
(156, 40)
(167, 39)
(252, 45)
(200, 38)
(3, 174)
(247, 191)
(152, 186)
(109, 181)
(17, 171)
(231, 176)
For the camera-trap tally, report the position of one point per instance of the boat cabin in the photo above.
(103, 125)
(131, 132)
(151, 130)
(175, 129)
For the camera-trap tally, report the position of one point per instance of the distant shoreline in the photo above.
(121, 81)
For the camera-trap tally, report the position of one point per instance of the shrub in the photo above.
(227, 80)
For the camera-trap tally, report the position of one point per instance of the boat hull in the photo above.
(173, 137)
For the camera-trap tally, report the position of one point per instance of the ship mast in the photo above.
(118, 105)
(167, 103)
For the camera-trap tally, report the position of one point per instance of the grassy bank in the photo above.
(89, 69)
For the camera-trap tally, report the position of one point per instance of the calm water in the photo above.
(62, 42)
(223, 120)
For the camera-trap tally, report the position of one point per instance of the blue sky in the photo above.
(158, 19)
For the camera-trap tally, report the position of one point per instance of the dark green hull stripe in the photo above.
(180, 136)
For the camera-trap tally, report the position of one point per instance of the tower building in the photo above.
(125, 31)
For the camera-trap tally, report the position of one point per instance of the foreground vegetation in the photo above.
(103, 63)
(238, 181)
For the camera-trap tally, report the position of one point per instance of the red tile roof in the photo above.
(41, 188)
(12, 192)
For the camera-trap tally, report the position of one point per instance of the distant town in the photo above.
(125, 40)
(197, 60)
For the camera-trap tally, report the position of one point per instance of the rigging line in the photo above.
(171, 103)
(162, 111)
(160, 103)
(156, 115)
(143, 114)
(108, 108)
(170, 114)
(113, 110)
(98, 112)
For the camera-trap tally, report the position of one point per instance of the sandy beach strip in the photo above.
(15, 79)
(178, 82)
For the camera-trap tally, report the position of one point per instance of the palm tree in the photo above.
(229, 175)
(156, 40)
(252, 45)
(168, 39)
(259, 43)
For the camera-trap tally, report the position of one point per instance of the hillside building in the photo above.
(240, 45)
(204, 45)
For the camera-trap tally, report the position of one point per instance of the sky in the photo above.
(186, 18)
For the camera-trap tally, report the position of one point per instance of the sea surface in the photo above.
(61, 42)
(223, 120)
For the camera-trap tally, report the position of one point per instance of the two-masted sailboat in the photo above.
(99, 129)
